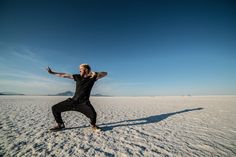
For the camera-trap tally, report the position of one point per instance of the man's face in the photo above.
(82, 70)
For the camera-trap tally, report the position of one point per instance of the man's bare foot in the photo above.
(96, 128)
(58, 127)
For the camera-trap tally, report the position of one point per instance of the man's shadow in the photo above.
(146, 120)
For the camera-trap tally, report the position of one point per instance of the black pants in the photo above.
(70, 105)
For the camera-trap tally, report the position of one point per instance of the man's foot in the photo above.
(58, 127)
(96, 128)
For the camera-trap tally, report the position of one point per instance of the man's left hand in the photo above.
(93, 74)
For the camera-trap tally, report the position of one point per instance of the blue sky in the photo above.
(147, 47)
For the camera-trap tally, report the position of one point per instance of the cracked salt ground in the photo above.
(132, 126)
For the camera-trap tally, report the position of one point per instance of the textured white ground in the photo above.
(132, 126)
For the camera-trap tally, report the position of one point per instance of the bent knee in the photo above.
(54, 107)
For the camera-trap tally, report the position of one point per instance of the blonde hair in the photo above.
(86, 66)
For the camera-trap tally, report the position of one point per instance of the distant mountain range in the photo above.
(66, 93)
(10, 93)
(70, 93)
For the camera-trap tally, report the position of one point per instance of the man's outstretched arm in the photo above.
(63, 75)
(101, 75)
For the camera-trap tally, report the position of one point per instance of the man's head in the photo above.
(84, 69)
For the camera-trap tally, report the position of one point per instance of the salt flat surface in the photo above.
(132, 126)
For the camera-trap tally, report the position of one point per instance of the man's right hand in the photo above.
(59, 74)
(50, 71)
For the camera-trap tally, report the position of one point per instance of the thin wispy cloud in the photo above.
(16, 77)
(13, 54)
(25, 75)
(26, 56)
(32, 87)
(29, 83)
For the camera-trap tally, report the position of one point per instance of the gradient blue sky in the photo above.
(162, 47)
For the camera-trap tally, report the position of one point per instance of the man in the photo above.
(80, 101)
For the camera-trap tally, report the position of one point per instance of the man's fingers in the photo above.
(48, 69)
